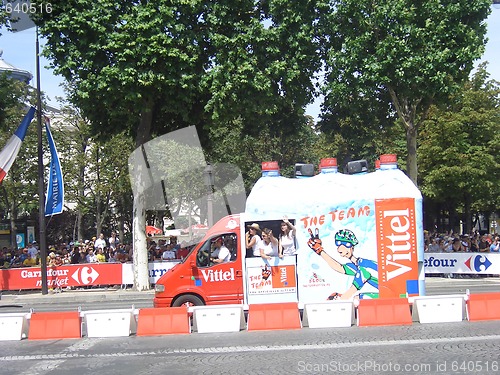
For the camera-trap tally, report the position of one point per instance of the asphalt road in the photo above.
(450, 348)
(440, 285)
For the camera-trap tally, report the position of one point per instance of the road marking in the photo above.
(47, 363)
(43, 367)
(60, 357)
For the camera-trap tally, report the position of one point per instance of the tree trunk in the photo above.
(98, 198)
(140, 254)
(81, 193)
(140, 258)
(467, 214)
(121, 222)
(411, 146)
(13, 217)
(407, 113)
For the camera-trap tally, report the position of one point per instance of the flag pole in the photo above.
(41, 188)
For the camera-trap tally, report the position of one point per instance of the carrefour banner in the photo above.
(78, 275)
(475, 263)
(61, 277)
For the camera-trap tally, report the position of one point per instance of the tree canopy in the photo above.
(173, 64)
(419, 52)
(459, 149)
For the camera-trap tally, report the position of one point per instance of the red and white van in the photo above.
(357, 236)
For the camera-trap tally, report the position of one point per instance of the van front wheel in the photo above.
(188, 300)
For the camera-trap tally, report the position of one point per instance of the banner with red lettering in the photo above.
(61, 277)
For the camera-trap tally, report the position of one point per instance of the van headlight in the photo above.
(159, 288)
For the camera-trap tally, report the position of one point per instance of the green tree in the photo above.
(4, 17)
(18, 190)
(149, 67)
(96, 174)
(360, 127)
(417, 51)
(459, 151)
(286, 144)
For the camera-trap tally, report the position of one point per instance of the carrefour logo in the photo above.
(85, 275)
(478, 263)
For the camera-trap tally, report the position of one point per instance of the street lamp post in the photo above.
(41, 185)
(114, 211)
(209, 182)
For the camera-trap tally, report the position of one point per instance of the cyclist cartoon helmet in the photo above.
(346, 236)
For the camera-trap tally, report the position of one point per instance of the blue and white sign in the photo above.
(20, 239)
(475, 263)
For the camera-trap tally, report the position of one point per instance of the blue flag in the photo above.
(55, 189)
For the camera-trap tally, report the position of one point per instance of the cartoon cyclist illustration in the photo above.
(365, 271)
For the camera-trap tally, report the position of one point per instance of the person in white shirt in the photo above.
(113, 241)
(287, 239)
(252, 240)
(168, 254)
(32, 250)
(221, 253)
(100, 242)
(269, 244)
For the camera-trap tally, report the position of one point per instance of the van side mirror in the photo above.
(192, 264)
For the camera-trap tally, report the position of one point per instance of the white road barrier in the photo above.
(439, 309)
(223, 318)
(110, 323)
(13, 326)
(328, 314)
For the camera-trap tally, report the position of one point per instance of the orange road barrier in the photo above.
(273, 316)
(163, 321)
(384, 312)
(55, 325)
(483, 306)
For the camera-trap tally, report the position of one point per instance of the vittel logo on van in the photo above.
(218, 275)
(397, 242)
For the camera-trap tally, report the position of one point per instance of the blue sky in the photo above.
(19, 50)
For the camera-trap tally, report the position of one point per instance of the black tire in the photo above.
(188, 300)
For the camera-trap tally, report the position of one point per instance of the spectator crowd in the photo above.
(452, 243)
(102, 250)
(95, 250)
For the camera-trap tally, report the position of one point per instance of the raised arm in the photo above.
(316, 245)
